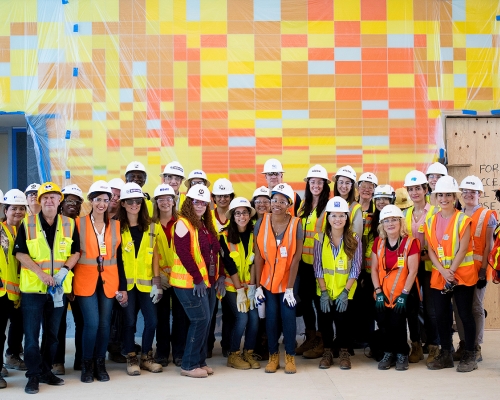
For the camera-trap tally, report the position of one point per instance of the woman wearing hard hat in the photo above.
(395, 258)
(173, 175)
(196, 177)
(237, 246)
(14, 209)
(454, 274)
(367, 184)
(494, 256)
(279, 238)
(345, 181)
(139, 252)
(31, 193)
(194, 273)
(337, 263)
(99, 275)
(434, 172)
(312, 213)
(116, 185)
(482, 230)
(261, 201)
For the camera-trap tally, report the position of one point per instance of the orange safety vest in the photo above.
(479, 225)
(276, 269)
(86, 273)
(494, 257)
(311, 225)
(466, 274)
(9, 267)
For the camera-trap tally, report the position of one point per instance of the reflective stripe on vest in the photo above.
(243, 263)
(9, 267)
(114, 244)
(317, 224)
(353, 209)
(408, 214)
(478, 232)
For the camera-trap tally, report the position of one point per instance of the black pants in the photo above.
(227, 326)
(306, 289)
(393, 331)
(413, 308)
(362, 315)
(430, 320)
(16, 331)
(341, 321)
(6, 312)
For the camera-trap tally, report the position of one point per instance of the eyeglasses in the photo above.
(100, 200)
(366, 186)
(198, 183)
(280, 202)
(467, 191)
(262, 202)
(133, 201)
(167, 199)
(339, 217)
(434, 176)
(223, 196)
(173, 178)
(200, 203)
(344, 183)
(31, 194)
(100, 262)
(73, 202)
(273, 173)
(390, 220)
(241, 213)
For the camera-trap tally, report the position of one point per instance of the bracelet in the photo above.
(65, 266)
(405, 291)
(377, 288)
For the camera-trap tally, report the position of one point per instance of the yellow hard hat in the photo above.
(403, 200)
(48, 187)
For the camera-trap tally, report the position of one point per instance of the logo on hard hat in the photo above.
(177, 168)
(281, 187)
(33, 186)
(413, 179)
(336, 203)
(222, 187)
(136, 165)
(48, 187)
(197, 173)
(129, 191)
(315, 170)
(164, 190)
(470, 183)
(201, 191)
(5, 198)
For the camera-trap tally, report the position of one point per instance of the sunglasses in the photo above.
(133, 201)
(273, 173)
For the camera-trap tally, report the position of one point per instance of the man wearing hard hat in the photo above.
(136, 172)
(173, 175)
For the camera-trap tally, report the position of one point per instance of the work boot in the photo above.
(327, 359)
(100, 372)
(417, 353)
(32, 385)
(401, 362)
(307, 344)
(479, 356)
(195, 373)
(133, 364)
(274, 363)
(458, 355)
(148, 363)
(117, 357)
(235, 360)
(14, 362)
(58, 369)
(443, 360)
(87, 374)
(163, 361)
(4, 372)
(344, 359)
(50, 379)
(3, 384)
(468, 362)
(387, 361)
(317, 350)
(290, 367)
(433, 353)
(252, 358)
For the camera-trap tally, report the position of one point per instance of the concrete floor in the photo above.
(363, 381)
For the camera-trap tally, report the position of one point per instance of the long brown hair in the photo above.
(156, 212)
(324, 196)
(143, 219)
(187, 211)
(91, 198)
(350, 243)
(351, 197)
(233, 234)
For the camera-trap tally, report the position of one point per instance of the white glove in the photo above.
(60, 276)
(290, 299)
(259, 296)
(251, 296)
(156, 291)
(165, 284)
(241, 300)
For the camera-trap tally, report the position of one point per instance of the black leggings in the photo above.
(307, 291)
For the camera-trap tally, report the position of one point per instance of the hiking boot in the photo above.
(327, 359)
(387, 361)
(317, 350)
(3, 384)
(290, 367)
(163, 361)
(4, 372)
(252, 358)
(100, 372)
(307, 344)
(209, 370)
(458, 355)
(15, 362)
(344, 359)
(417, 352)
(133, 364)
(50, 379)
(468, 362)
(274, 363)
(401, 362)
(433, 353)
(195, 373)
(32, 385)
(87, 375)
(443, 360)
(235, 360)
(148, 363)
(58, 369)
(479, 356)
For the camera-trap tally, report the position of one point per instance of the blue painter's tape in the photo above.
(68, 174)
(65, 1)
(498, 17)
(75, 71)
(441, 153)
(68, 134)
(469, 112)
(75, 28)
(495, 112)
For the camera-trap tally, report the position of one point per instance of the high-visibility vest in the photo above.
(466, 274)
(180, 201)
(408, 214)
(179, 277)
(276, 270)
(149, 206)
(368, 239)
(217, 225)
(9, 267)
(86, 273)
(479, 225)
(392, 281)
(165, 252)
(50, 261)
(311, 225)
(139, 270)
(494, 256)
(336, 270)
(354, 208)
(243, 263)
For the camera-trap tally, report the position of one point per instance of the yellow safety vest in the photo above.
(368, 239)
(165, 252)
(218, 226)
(149, 205)
(182, 197)
(354, 207)
(50, 261)
(311, 226)
(243, 264)
(9, 268)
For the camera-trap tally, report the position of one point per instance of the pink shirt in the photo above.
(441, 225)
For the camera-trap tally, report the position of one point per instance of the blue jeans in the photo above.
(199, 311)
(247, 323)
(38, 308)
(96, 310)
(143, 300)
(274, 302)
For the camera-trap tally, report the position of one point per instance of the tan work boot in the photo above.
(274, 363)
(15, 362)
(290, 367)
(252, 358)
(433, 353)
(479, 356)
(344, 359)
(307, 344)
(327, 359)
(417, 352)
(58, 369)
(235, 360)
(148, 363)
(133, 364)
(457, 355)
(317, 350)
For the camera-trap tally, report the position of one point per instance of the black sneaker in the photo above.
(178, 361)
(401, 362)
(387, 361)
(32, 385)
(50, 379)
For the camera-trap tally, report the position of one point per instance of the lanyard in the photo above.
(211, 269)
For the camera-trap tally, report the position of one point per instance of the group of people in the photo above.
(356, 262)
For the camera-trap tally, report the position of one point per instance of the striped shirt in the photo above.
(356, 259)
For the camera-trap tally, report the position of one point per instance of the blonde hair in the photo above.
(403, 231)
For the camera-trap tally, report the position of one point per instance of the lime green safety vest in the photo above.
(9, 273)
(243, 264)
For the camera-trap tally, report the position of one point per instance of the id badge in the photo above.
(440, 252)
(102, 249)
(401, 262)
(129, 246)
(211, 269)
(421, 229)
(283, 252)
(341, 264)
(62, 247)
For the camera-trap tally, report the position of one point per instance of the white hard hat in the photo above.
(116, 183)
(368, 177)
(472, 182)
(317, 171)
(437, 168)
(74, 190)
(346, 171)
(222, 186)
(14, 197)
(337, 204)
(261, 191)
(173, 168)
(131, 190)
(414, 178)
(135, 166)
(199, 192)
(239, 202)
(164, 189)
(383, 191)
(99, 187)
(32, 188)
(446, 184)
(286, 190)
(391, 210)
(196, 173)
(272, 165)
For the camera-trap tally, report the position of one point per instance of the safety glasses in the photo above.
(133, 201)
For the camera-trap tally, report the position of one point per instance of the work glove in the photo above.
(60, 276)
(57, 294)
(341, 301)
(241, 300)
(400, 306)
(157, 291)
(200, 289)
(251, 296)
(325, 301)
(165, 284)
(259, 296)
(380, 300)
(290, 299)
(481, 283)
(220, 286)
